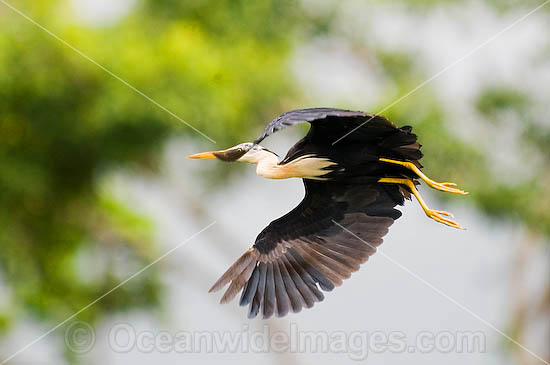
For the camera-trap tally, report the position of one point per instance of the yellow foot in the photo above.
(446, 186)
(436, 215)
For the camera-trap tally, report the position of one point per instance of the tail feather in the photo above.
(404, 143)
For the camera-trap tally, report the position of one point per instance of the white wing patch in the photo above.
(308, 167)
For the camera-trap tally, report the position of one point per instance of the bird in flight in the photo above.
(356, 167)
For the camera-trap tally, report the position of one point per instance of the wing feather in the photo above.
(317, 115)
(268, 308)
(259, 296)
(294, 296)
(315, 274)
(235, 270)
(283, 301)
(250, 289)
(311, 249)
(308, 295)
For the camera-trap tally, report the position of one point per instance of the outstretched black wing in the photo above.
(314, 247)
(334, 122)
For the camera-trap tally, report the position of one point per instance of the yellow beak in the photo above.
(203, 155)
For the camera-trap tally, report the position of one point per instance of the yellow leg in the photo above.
(433, 214)
(446, 186)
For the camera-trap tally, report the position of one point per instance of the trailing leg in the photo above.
(436, 215)
(446, 186)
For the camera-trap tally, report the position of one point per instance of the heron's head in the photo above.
(244, 152)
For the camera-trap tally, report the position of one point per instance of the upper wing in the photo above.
(347, 120)
(318, 244)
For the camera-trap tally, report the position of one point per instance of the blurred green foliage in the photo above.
(493, 101)
(65, 123)
(529, 200)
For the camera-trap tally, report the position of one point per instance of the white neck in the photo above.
(267, 165)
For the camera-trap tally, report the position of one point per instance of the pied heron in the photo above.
(356, 167)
